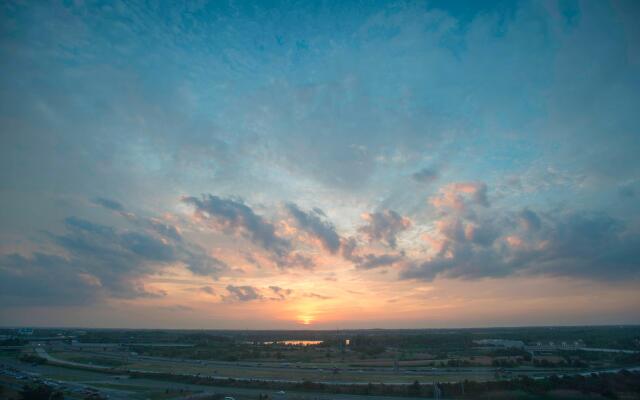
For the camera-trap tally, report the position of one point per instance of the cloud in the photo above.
(135, 248)
(627, 191)
(459, 195)
(384, 227)
(425, 175)
(236, 217)
(281, 293)
(208, 290)
(159, 226)
(367, 260)
(233, 216)
(279, 290)
(95, 261)
(108, 204)
(317, 296)
(46, 279)
(371, 261)
(178, 308)
(243, 293)
(331, 277)
(529, 220)
(481, 233)
(117, 259)
(312, 223)
(584, 245)
(140, 134)
(200, 263)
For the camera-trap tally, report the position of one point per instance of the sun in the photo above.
(305, 319)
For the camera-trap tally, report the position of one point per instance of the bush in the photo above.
(40, 392)
(33, 359)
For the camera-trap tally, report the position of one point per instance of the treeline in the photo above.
(615, 337)
(372, 344)
(40, 392)
(14, 341)
(609, 385)
(621, 337)
(617, 358)
(212, 350)
(32, 359)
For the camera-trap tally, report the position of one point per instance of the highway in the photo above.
(433, 372)
(98, 380)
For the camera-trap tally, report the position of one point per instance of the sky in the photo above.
(319, 165)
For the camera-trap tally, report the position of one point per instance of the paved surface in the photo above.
(467, 372)
(95, 379)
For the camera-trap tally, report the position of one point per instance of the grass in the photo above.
(289, 373)
(105, 362)
(145, 392)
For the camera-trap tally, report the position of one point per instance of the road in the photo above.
(433, 372)
(98, 380)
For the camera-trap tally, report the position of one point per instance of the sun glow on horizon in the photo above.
(306, 319)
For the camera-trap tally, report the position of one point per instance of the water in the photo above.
(297, 342)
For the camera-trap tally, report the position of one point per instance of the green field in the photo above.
(294, 374)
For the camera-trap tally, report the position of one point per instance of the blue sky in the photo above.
(445, 150)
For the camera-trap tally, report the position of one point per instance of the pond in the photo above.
(296, 342)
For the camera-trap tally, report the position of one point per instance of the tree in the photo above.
(40, 392)
(414, 389)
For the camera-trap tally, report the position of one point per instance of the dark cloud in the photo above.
(200, 263)
(108, 204)
(208, 290)
(116, 260)
(579, 244)
(371, 261)
(46, 279)
(425, 175)
(281, 293)
(627, 192)
(452, 229)
(100, 261)
(384, 227)
(482, 233)
(250, 258)
(295, 260)
(148, 247)
(162, 228)
(315, 226)
(530, 220)
(243, 293)
(317, 296)
(236, 217)
(178, 308)
(348, 248)
(367, 260)
(134, 249)
(480, 195)
(279, 290)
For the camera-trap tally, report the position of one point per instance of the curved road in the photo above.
(43, 353)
